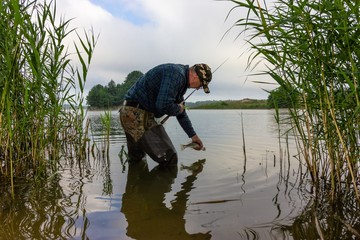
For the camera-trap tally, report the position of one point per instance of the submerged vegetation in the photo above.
(41, 92)
(312, 48)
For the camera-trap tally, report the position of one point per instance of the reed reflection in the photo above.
(34, 213)
(323, 218)
(143, 203)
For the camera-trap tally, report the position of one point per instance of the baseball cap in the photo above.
(204, 73)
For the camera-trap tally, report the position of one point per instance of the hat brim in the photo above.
(206, 89)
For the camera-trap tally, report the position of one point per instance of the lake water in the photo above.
(228, 193)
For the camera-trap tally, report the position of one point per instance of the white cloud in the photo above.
(146, 33)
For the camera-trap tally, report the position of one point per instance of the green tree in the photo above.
(282, 98)
(111, 88)
(132, 78)
(113, 94)
(98, 97)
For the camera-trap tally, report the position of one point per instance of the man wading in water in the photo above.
(157, 93)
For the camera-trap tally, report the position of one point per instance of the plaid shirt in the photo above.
(160, 91)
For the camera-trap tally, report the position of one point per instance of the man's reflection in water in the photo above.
(144, 207)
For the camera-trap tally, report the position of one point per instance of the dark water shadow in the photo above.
(324, 218)
(37, 211)
(52, 208)
(147, 215)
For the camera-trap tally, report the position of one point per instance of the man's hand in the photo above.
(182, 107)
(197, 140)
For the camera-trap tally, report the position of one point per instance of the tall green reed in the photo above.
(41, 91)
(106, 124)
(313, 48)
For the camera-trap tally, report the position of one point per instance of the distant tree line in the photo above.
(113, 94)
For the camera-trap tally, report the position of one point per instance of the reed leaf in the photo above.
(37, 84)
(312, 48)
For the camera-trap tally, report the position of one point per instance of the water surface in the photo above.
(221, 193)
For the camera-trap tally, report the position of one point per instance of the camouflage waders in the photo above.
(145, 135)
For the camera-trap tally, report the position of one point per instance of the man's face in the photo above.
(198, 84)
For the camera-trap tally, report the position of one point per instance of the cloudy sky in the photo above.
(140, 34)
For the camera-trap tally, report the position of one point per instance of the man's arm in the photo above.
(186, 124)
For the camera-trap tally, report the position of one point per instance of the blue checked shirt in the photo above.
(160, 91)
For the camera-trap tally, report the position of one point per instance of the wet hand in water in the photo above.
(197, 140)
(192, 145)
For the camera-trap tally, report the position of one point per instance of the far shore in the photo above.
(213, 104)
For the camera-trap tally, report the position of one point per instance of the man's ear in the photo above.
(192, 77)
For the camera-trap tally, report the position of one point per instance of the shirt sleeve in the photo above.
(186, 124)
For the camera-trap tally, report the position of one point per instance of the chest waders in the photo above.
(145, 136)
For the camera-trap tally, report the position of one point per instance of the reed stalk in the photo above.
(312, 48)
(41, 90)
(106, 124)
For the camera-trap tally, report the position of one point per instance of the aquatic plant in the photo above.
(313, 48)
(106, 124)
(41, 90)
